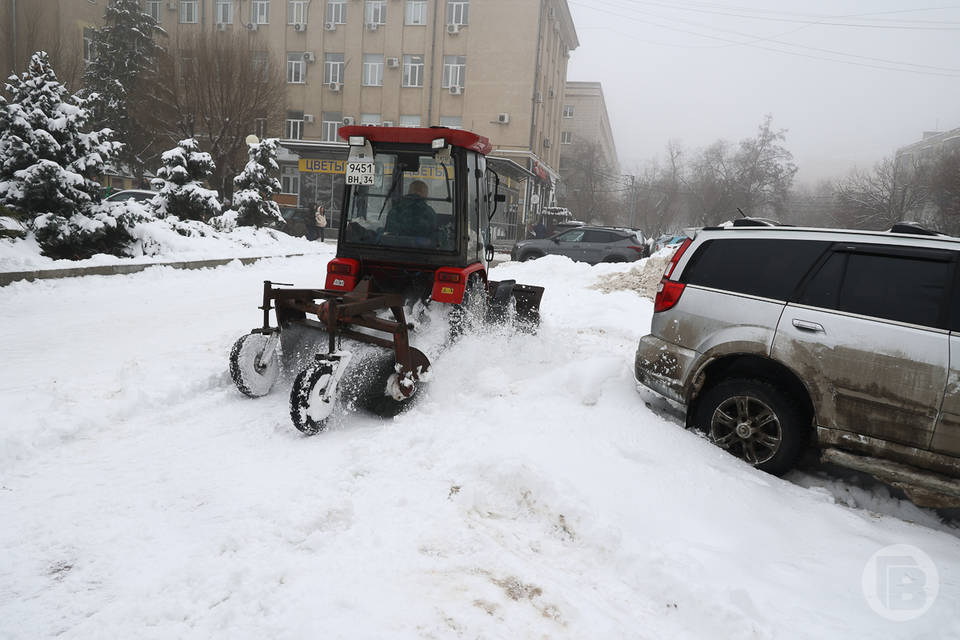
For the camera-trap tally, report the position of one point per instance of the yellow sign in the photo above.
(316, 165)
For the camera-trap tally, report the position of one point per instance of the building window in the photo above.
(333, 68)
(290, 180)
(260, 128)
(88, 53)
(453, 122)
(337, 11)
(413, 71)
(296, 11)
(261, 65)
(153, 9)
(458, 12)
(331, 125)
(416, 12)
(409, 121)
(188, 65)
(293, 125)
(224, 11)
(188, 11)
(371, 119)
(454, 71)
(566, 137)
(296, 68)
(260, 11)
(372, 70)
(376, 12)
(568, 111)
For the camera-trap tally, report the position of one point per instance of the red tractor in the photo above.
(415, 229)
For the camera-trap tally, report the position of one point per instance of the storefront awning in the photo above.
(508, 168)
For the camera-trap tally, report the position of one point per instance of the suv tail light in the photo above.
(668, 294)
(669, 291)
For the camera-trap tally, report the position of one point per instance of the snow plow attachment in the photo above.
(526, 299)
(387, 382)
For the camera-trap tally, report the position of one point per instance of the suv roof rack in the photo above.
(913, 228)
(757, 222)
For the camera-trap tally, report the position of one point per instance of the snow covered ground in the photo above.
(530, 493)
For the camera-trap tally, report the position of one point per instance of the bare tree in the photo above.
(877, 199)
(590, 187)
(214, 89)
(38, 29)
(657, 193)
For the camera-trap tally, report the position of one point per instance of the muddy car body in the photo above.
(775, 338)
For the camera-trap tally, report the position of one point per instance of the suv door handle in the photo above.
(804, 325)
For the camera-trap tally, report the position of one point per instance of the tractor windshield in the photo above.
(409, 205)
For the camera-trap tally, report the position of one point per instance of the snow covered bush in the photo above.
(179, 182)
(254, 187)
(226, 222)
(11, 224)
(49, 162)
(102, 228)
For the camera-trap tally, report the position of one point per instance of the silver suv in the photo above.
(776, 338)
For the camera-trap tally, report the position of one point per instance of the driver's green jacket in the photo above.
(412, 216)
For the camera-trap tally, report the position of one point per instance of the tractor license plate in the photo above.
(360, 173)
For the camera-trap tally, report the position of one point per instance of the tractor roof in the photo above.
(420, 135)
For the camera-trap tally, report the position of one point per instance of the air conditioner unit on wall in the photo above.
(308, 118)
(252, 26)
(546, 143)
(453, 29)
(393, 63)
(372, 26)
(503, 118)
(348, 121)
(330, 26)
(387, 123)
(172, 6)
(221, 26)
(334, 86)
(456, 91)
(300, 27)
(309, 56)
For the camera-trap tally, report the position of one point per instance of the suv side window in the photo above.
(765, 267)
(592, 235)
(823, 287)
(574, 235)
(895, 288)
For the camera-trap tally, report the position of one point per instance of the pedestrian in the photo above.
(321, 219)
(539, 230)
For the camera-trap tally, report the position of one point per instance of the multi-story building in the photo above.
(495, 67)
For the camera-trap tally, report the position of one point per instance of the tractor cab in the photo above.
(417, 209)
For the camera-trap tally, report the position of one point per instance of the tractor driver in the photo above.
(413, 217)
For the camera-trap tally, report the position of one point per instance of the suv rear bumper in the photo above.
(663, 367)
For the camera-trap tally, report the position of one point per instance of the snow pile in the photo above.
(642, 278)
(167, 239)
(528, 494)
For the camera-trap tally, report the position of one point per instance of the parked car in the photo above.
(776, 338)
(137, 195)
(668, 240)
(585, 243)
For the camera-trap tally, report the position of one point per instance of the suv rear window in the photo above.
(764, 267)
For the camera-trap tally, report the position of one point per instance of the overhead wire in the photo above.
(881, 63)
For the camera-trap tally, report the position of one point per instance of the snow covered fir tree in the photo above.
(49, 163)
(254, 187)
(180, 184)
(124, 50)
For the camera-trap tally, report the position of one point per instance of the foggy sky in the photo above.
(687, 75)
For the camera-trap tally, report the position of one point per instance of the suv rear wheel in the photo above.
(755, 421)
